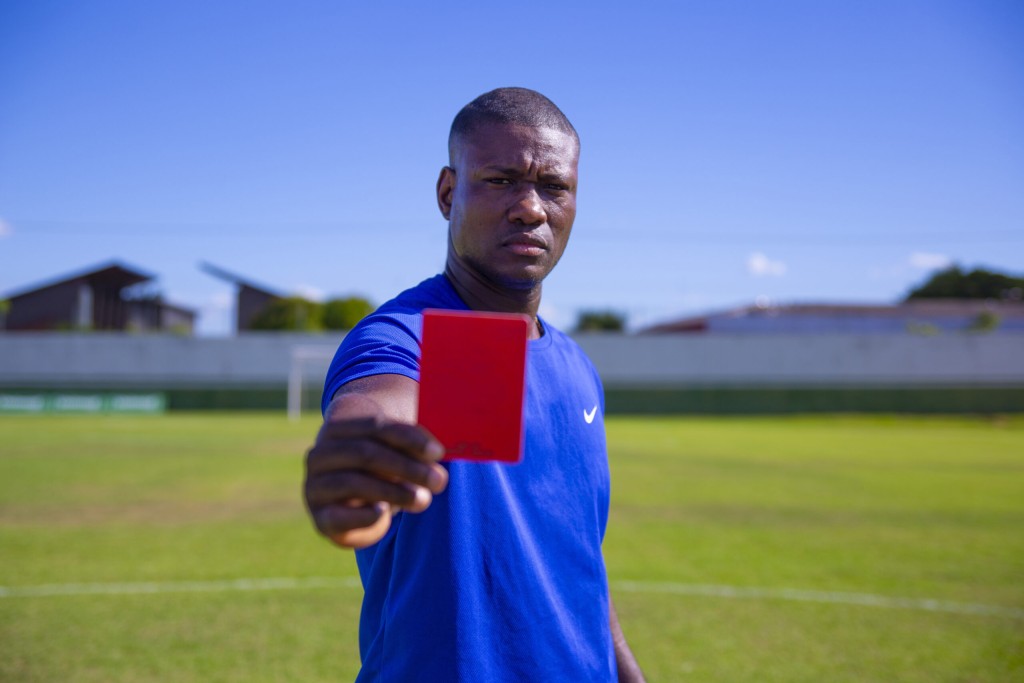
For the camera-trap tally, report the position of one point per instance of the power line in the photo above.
(252, 229)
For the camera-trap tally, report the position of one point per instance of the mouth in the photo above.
(526, 244)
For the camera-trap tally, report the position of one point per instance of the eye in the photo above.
(498, 181)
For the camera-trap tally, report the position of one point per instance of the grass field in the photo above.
(787, 549)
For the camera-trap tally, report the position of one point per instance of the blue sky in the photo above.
(788, 150)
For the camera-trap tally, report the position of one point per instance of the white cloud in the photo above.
(897, 272)
(5, 229)
(310, 292)
(760, 265)
(928, 261)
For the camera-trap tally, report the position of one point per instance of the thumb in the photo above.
(367, 535)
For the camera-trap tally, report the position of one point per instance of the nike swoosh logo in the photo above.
(588, 415)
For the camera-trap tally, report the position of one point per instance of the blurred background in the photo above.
(733, 153)
(785, 209)
(793, 168)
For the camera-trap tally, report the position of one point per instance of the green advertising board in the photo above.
(148, 403)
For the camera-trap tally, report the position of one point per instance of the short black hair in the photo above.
(509, 105)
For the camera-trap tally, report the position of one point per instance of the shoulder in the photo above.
(562, 341)
(561, 369)
(434, 292)
(402, 316)
(386, 342)
(568, 350)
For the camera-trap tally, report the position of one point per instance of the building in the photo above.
(921, 316)
(109, 297)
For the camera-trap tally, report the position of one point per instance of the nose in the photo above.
(528, 209)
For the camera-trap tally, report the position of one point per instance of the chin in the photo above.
(514, 278)
(520, 283)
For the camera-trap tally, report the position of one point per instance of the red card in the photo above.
(473, 381)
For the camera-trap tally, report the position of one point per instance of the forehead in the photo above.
(550, 149)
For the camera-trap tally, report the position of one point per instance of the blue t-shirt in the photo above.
(502, 578)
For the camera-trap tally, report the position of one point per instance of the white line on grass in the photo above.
(863, 599)
(175, 587)
(670, 588)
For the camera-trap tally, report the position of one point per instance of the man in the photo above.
(474, 571)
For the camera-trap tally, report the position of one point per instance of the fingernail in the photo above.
(423, 498)
(435, 479)
(435, 450)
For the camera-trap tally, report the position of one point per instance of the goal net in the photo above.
(307, 369)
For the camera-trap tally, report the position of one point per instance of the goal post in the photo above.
(308, 363)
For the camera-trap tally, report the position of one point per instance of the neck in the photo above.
(481, 294)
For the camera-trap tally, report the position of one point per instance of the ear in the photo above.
(445, 188)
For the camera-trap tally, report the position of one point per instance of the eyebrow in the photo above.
(517, 173)
(505, 170)
(563, 177)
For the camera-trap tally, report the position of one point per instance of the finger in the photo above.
(348, 428)
(332, 520)
(412, 439)
(341, 487)
(375, 458)
(353, 526)
(438, 480)
(361, 538)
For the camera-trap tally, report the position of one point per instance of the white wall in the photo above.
(808, 359)
(111, 360)
(69, 360)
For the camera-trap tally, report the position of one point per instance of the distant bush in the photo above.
(343, 314)
(953, 283)
(292, 313)
(297, 314)
(600, 321)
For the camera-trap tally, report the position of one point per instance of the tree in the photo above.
(953, 283)
(290, 313)
(343, 314)
(296, 314)
(600, 321)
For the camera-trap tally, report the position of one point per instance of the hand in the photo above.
(361, 470)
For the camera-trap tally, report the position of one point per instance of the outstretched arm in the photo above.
(629, 670)
(370, 459)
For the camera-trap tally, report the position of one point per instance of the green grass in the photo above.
(920, 508)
